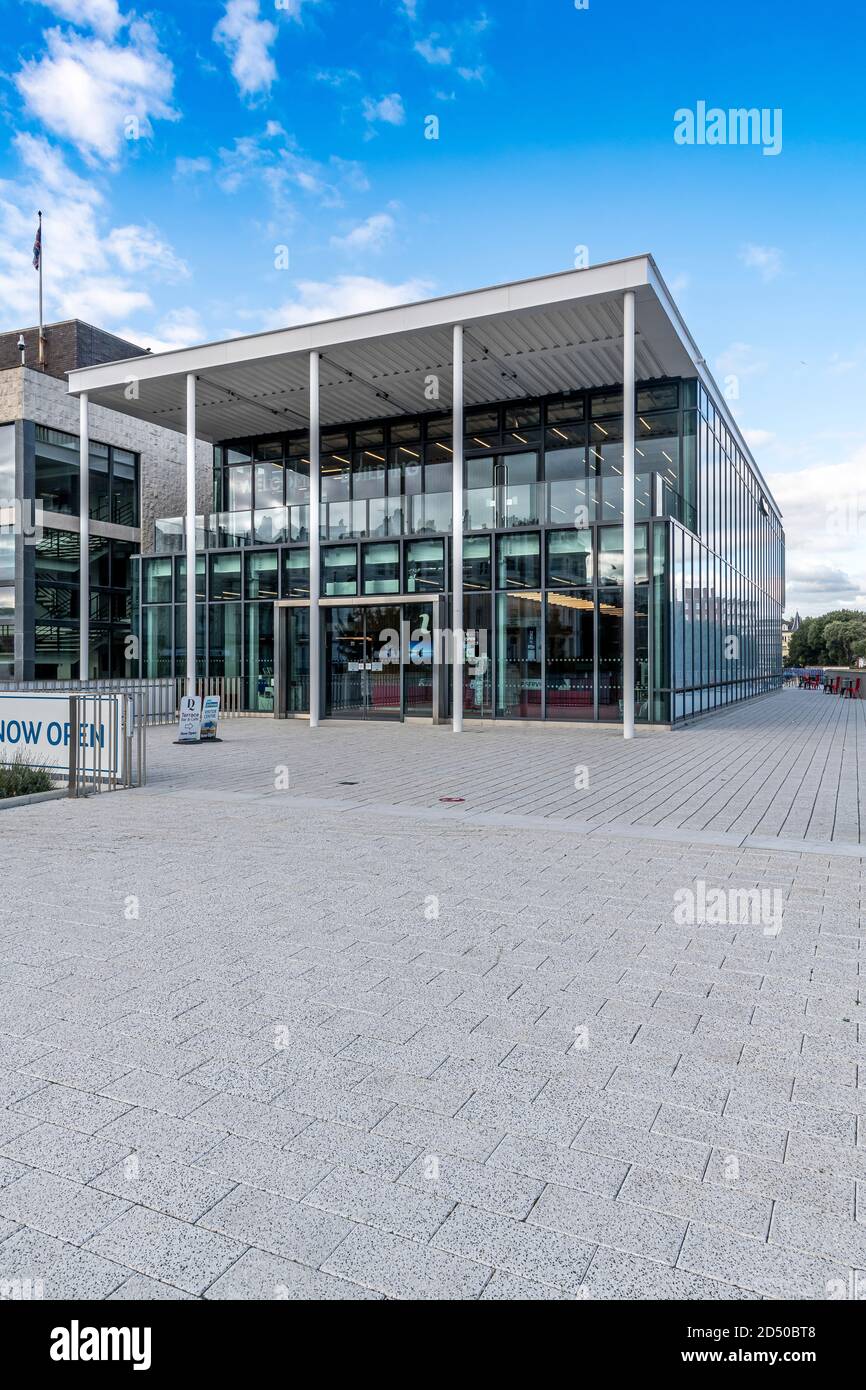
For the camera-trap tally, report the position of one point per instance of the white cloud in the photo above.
(758, 439)
(102, 299)
(273, 159)
(824, 512)
(471, 74)
(388, 109)
(247, 40)
(348, 294)
(767, 260)
(336, 77)
(741, 360)
(91, 270)
(680, 282)
(185, 168)
(370, 235)
(180, 328)
(433, 53)
(138, 249)
(87, 90)
(101, 15)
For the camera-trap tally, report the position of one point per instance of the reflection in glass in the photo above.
(339, 565)
(569, 654)
(518, 655)
(260, 657)
(425, 566)
(381, 569)
(610, 654)
(569, 558)
(225, 639)
(519, 563)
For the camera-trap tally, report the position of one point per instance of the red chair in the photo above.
(852, 689)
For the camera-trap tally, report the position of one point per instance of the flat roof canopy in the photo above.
(534, 337)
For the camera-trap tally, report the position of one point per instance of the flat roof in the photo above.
(535, 337)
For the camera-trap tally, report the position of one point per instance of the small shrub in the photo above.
(18, 778)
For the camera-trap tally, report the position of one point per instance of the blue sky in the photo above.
(175, 149)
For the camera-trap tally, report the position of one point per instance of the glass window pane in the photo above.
(610, 558)
(565, 408)
(522, 417)
(425, 566)
(477, 572)
(239, 485)
(100, 501)
(180, 577)
(569, 558)
(225, 639)
(225, 576)
(658, 397)
(339, 570)
(157, 641)
(481, 422)
(124, 488)
(518, 654)
(370, 437)
(260, 657)
(439, 426)
(271, 526)
(610, 654)
(57, 474)
(569, 654)
(269, 484)
(606, 403)
(519, 562)
(157, 578)
(564, 436)
(296, 573)
(298, 483)
(406, 432)
(261, 568)
(381, 569)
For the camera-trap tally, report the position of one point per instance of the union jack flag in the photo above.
(37, 247)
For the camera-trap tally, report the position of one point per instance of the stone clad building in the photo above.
(136, 473)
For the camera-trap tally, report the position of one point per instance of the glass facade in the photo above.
(48, 612)
(543, 556)
(8, 492)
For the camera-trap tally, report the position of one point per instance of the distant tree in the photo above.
(833, 639)
(803, 649)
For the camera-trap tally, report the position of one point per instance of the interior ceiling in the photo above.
(562, 347)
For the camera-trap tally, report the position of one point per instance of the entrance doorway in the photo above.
(380, 659)
(362, 662)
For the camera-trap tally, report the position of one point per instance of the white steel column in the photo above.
(190, 533)
(315, 547)
(84, 538)
(458, 641)
(628, 415)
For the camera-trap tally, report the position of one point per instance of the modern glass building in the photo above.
(330, 569)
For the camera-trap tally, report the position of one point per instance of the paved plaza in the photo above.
(378, 1012)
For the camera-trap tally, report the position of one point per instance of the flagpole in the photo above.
(41, 334)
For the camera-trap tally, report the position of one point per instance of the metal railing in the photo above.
(107, 743)
(230, 690)
(154, 700)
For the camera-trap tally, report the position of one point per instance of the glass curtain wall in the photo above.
(543, 561)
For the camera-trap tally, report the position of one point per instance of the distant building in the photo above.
(40, 517)
(789, 627)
